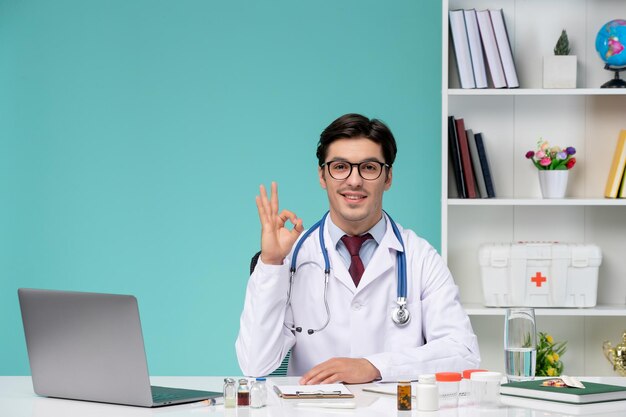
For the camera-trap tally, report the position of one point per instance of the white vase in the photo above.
(553, 183)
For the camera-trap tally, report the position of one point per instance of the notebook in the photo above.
(89, 346)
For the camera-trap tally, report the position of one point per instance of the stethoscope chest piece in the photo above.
(400, 315)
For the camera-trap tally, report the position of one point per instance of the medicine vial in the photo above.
(258, 393)
(427, 393)
(243, 393)
(230, 393)
(404, 395)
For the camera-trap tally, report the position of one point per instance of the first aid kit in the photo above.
(539, 274)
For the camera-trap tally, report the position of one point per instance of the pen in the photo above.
(344, 405)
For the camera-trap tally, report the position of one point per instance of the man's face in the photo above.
(355, 203)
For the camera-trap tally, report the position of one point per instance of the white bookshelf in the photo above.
(475, 309)
(512, 120)
(536, 202)
(536, 92)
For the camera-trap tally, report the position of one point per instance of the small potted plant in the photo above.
(559, 70)
(553, 163)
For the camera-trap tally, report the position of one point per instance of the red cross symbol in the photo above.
(538, 279)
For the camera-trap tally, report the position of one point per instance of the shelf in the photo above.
(536, 202)
(598, 311)
(535, 92)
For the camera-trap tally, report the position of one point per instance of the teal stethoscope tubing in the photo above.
(400, 315)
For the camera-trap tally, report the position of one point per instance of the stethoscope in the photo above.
(400, 315)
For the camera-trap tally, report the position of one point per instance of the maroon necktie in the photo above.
(353, 244)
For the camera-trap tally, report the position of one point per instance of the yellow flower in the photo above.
(550, 358)
(549, 339)
(555, 356)
(551, 371)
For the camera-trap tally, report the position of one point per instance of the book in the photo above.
(466, 159)
(484, 165)
(476, 48)
(488, 37)
(622, 188)
(592, 393)
(547, 406)
(455, 157)
(616, 172)
(504, 47)
(461, 48)
(313, 391)
(478, 172)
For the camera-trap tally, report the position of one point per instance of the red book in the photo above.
(466, 160)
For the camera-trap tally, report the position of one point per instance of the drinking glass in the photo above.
(520, 344)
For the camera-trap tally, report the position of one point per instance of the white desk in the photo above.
(18, 400)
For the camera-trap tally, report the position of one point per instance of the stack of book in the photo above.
(616, 182)
(468, 157)
(481, 41)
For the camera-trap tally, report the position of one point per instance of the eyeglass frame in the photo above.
(358, 168)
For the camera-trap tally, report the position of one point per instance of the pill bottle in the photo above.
(404, 395)
(427, 393)
(486, 389)
(243, 393)
(466, 397)
(230, 393)
(448, 384)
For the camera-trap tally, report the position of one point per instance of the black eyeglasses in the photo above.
(368, 170)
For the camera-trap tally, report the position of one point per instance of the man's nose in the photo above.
(354, 179)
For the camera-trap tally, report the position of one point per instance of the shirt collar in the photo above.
(377, 232)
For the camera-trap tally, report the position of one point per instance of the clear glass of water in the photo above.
(520, 344)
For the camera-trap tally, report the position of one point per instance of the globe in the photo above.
(611, 41)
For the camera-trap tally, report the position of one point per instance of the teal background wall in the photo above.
(134, 135)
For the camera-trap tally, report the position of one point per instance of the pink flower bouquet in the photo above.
(552, 157)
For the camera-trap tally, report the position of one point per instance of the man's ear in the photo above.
(389, 179)
(322, 176)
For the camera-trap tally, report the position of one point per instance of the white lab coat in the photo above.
(438, 338)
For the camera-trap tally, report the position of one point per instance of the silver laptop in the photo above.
(89, 346)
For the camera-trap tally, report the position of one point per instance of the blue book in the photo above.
(484, 165)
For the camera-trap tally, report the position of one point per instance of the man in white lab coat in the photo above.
(356, 341)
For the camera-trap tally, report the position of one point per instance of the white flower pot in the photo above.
(559, 71)
(553, 183)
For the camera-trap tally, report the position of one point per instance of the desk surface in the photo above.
(18, 400)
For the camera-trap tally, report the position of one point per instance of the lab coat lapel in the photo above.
(383, 260)
(338, 268)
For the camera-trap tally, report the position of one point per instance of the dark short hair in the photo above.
(354, 125)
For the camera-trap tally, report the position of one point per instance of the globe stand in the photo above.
(616, 82)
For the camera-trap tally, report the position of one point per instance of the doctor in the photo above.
(354, 328)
